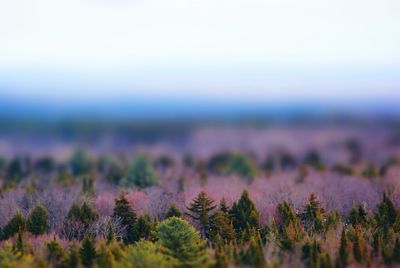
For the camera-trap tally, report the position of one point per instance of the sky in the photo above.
(239, 50)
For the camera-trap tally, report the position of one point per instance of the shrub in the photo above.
(17, 223)
(37, 220)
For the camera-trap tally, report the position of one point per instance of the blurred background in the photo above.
(110, 73)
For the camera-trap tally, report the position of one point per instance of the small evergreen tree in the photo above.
(140, 173)
(223, 206)
(313, 215)
(143, 227)
(254, 255)
(358, 216)
(37, 220)
(87, 252)
(127, 215)
(200, 210)
(173, 211)
(221, 226)
(17, 223)
(290, 229)
(386, 214)
(244, 214)
(54, 252)
(182, 242)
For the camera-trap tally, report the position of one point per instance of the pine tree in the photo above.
(55, 252)
(221, 226)
(181, 241)
(359, 250)
(254, 255)
(243, 166)
(127, 215)
(343, 256)
(386, 214)
(313, 215)
(221, 258)
(143, 227)
(290, 229)
(37, 220)
(73, 258)
(223, 206)
(200, 209)
(311, 253)
(173, 211)
(17, 223)
(358, 216)
(87, 252)
(244, 214)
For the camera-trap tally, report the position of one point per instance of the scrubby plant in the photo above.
(87, 252)
(173, 211)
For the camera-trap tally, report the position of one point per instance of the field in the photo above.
(252, 194)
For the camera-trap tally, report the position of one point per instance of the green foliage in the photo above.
(105, 257)
(87, 252)
(220, 226)
(221, 258)
(254, 255)
(290, 229)
(37, 220)
(244, 214)
(112, 168)
(84, 213)
(200, 210)
(343, 254)
(10, 259)
(359, 245)
(55, 254)
(17, 223)
(241, 165)
(140, 173)
(313, 215)
(311, 251)
(385, 214)
(127, 215)
(72, 259)
(358, 216)
(87, 185)
(80, 162)
(145, 254)
(143, 227)
(182, 242)
(173, 211)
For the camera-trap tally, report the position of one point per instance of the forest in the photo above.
(273, 195)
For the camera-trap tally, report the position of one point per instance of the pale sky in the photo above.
(238, 49)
